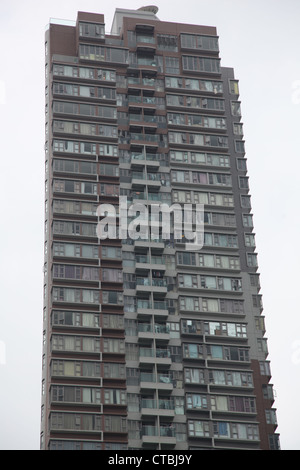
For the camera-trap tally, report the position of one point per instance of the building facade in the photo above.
(148, 344)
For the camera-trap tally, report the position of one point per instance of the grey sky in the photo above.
(260, 40)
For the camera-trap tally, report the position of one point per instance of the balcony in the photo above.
(145, 82)
(134, 100)
(144, 139)
(141, 159)
(149, 355)
(145, 43)
(146, 284)
(154, 435)
(160, 407)
(145, 262)
(147, 120)
(160, 381)
(157, 245)
(148, 331)
(145, 308)
(142, 262)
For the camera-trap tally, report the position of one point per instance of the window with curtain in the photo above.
(222, 429)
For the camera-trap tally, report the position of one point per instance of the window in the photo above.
(99, 53)
(194, 376)
(186, 258)
(201, 64)
(241, 164)
(112, 275)
(264, 368)
(109, 189)
(113, 345)
(199, 42)
(198, 428)
(114, 371)
(239, 146)
(274, 441)
(75, 272)
(238, 129)
(75, 421)
(66, 146)
(75, 319)
(115, 424)
(250, 239)
(234, 87)
(244, 182)
(172, 65)
(92, 30)
(196, 401)
(75, 343)
(75, 368)
(192, 351)
(115, 397)
(189, 303)
(113, 321)
(252, 260)
(179, 403)
(109, 150)
(221, 240)
(246, 202)
(247, 220)
(237, 379)
(167, 42)
(187, 280)
(109, 170)
(111, 252)
(236, 108)
(61, 294)
(106, 93)
(112, 297)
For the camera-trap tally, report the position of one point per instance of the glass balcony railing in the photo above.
(166, 404)
(143, 118)
(160, 305)
(145, 328)
(161, 404)
(142, 259)
(163, 431)
(147, 352)
(145, 39)
(148, 259)
(143, 81)
(154, 197)
(145, 303)
(147, 62)
(162, 353)
(148, 403)
(150, 377)
(153, 157)
(138, 195)
(159, 197)
(142, 99)
(149, 430)
(145, 137)
(157, 260)
(150, 352)
(147, 377)
(138, 175)
(149, 328)
(167, 431)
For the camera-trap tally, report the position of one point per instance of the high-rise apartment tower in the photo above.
(148, 343)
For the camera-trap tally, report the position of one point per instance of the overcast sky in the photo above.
(261, 41)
